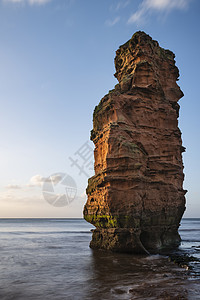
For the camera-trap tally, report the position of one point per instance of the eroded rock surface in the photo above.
(136, 197)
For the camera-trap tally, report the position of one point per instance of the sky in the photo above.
(56, 63)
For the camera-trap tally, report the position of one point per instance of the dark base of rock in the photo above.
(134, 241)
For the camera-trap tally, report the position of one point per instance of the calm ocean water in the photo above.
(50, 259)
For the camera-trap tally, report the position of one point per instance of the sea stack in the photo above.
(136, 197)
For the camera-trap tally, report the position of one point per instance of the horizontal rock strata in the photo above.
(136, 197)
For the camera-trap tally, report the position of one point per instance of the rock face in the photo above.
(136, 197)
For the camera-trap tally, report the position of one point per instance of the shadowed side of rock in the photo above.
(136, 197)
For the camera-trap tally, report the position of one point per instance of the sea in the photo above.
(50, 259)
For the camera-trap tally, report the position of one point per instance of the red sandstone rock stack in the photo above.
(136, 197)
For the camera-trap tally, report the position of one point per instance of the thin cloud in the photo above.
(38, 180)
(13, 1)
(112, 22)
(166, 4)
(30, 2)
(38, 1)
(13, 186)
(119, 5)
(159, 6)
(17, 199)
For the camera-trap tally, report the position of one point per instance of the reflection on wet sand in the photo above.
(120, 276)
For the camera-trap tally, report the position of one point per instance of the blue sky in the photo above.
(56, 63)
